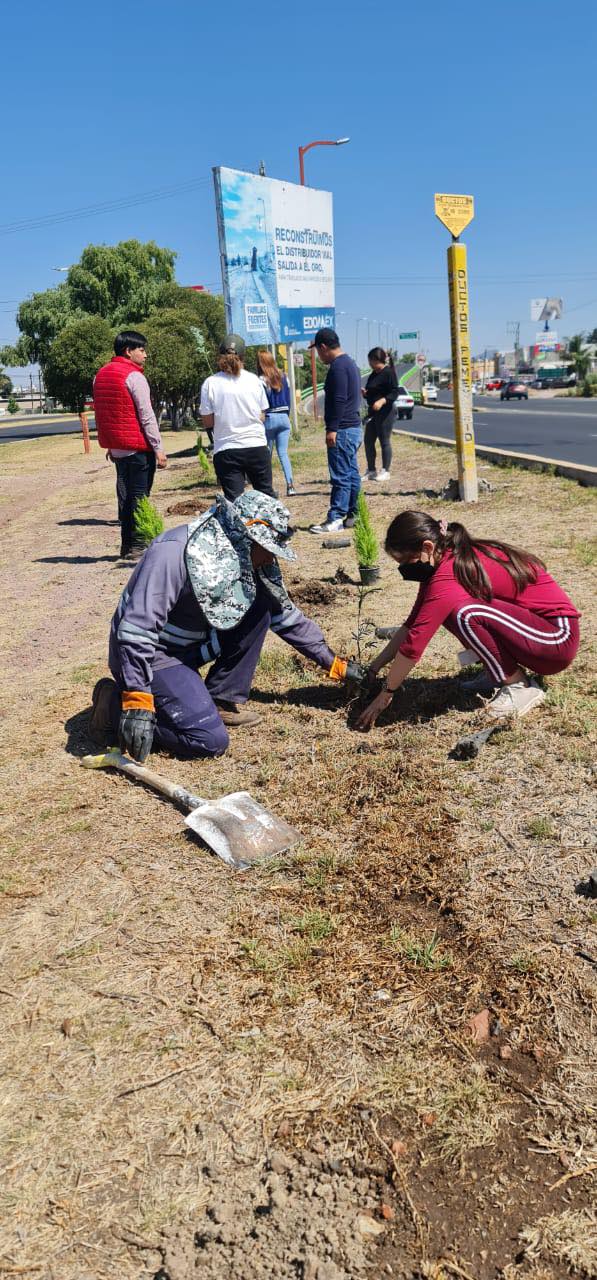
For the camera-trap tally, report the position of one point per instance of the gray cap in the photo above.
(232, 346)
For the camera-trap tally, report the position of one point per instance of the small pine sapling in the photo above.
(148, 522)
(203, 465)
(364, 536)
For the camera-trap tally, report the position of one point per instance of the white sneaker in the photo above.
(515, 699)
(328, 526)
(369, 475)
(382, 475)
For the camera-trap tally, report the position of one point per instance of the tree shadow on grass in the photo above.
(89, 522)
(75, 559)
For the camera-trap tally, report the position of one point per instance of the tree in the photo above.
(122, 283)
(176, 363)
(5, 384)
(581, 360)
(592, 337)
(13, 405)
(74, 358)
(408, 357)
(40, 319)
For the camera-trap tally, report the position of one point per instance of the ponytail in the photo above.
(409, 530)
(230, 363)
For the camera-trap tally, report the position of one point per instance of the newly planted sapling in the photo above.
(364, 636)
(148, 522)
(365, 542)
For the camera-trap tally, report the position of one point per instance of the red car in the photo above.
(494, 384)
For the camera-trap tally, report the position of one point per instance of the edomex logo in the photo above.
(319, 322)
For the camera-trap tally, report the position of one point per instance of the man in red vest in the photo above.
(127, 427)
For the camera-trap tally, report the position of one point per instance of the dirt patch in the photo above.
(313, 592)
(201, 1071)
(191, 507)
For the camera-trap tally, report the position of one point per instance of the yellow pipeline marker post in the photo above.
(456, 212)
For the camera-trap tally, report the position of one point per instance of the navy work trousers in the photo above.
(187, 720)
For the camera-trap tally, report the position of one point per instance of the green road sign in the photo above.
(406, 337)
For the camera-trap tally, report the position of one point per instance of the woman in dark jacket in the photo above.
(380, 392)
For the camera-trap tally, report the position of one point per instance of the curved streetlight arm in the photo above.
(324, 142)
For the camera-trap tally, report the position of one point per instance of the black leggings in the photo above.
(379, 429)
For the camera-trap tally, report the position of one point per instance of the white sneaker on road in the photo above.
(382, 475)
(515, 699)
(328, 526)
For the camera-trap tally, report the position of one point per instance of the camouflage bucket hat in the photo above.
(266, 522)
(218, 556)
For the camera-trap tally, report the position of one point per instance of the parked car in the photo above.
(514, 391)
(430, 391)
(405, 404)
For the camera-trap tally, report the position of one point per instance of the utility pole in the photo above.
(455, 212)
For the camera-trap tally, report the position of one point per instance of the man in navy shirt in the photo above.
(343, 432)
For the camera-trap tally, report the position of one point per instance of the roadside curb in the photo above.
(586, 476)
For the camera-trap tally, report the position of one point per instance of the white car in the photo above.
(430, 391)
(405, 404)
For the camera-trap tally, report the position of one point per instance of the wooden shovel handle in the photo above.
(114, 760)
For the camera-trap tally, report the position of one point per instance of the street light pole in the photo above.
(302, 151)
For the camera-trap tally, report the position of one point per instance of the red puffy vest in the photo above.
(115, 414)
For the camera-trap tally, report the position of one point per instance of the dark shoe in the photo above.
(237, 716)
(349, 522)
(133, 553)
(105, 714)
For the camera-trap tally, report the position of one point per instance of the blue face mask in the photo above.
(417, 572)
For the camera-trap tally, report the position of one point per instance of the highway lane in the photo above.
(563, 429)
(43, 426)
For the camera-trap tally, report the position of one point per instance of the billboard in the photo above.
(277, 255)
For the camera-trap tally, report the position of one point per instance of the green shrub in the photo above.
(364, 536)
(148, 522)
(12, 405)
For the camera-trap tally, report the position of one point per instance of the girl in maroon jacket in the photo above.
(499, 600)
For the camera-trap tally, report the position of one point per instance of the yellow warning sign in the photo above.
(455, 212)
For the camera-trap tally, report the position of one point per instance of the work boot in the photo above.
(105, 714)
(236, 716)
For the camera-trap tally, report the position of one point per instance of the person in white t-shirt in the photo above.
(234, 404)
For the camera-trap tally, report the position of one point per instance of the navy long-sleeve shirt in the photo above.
(342, 395)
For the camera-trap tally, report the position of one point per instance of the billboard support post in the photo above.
(455, 212)
(292, 385)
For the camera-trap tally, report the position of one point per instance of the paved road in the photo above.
(24, 430)
(563, 429)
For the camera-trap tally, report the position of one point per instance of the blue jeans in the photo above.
(344, 473)
(277, 431)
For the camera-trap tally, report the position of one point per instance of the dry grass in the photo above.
(164, 1019)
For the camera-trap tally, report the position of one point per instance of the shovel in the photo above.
(242, 832)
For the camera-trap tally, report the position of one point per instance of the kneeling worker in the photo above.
(203, 592)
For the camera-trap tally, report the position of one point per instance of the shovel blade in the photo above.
(241, 831)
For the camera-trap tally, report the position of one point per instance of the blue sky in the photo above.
(110, 101)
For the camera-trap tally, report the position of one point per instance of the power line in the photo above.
(107, 206)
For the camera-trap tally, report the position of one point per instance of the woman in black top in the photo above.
(380, 392)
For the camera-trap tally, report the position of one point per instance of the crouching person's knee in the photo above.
(206, 740)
